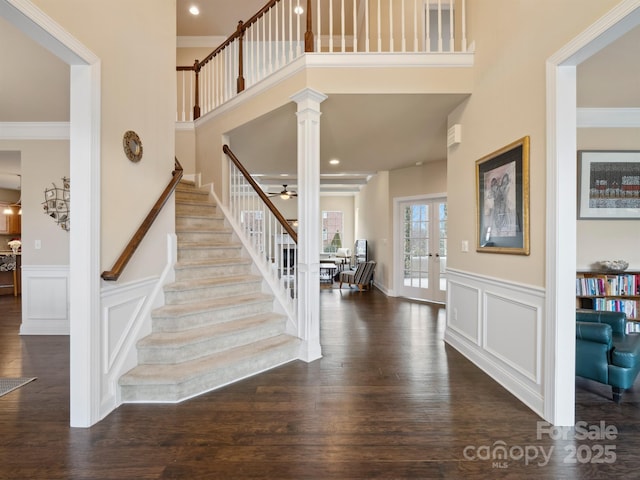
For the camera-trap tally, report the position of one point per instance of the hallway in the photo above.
(388, 400)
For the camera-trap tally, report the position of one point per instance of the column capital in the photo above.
(309, 98)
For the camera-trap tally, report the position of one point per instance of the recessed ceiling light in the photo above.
(193, 10)
(284, 174)
(334, 161)
(298, 10)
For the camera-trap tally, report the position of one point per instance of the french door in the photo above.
(421, 253)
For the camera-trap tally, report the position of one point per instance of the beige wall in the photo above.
(25, 96)
(508, 103)
(608, 239)
(430, 178)
(374, 225)
(137, 93)
(42, 163)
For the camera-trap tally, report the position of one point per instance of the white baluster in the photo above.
(331, 26)
(342, 26)
(366, 25)
(439, 25)
(298, 37)
(319, 30)
(415, 26)
(451, 39)
(404, 36)
(428, 27)
(277, 35)
(463, 47)
(270, 41)
(291, 40)
(379, 28)
(391, 43)
(355, 26)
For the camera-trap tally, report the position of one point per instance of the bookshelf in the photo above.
(610, 291)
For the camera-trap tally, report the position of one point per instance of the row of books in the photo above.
(613, 285)
(630, 307)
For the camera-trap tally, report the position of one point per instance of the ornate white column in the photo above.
(308, 101)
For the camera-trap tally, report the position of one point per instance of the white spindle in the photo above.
(184, 87)
(355, 27)
(439, 25)
(366, 25)
(379, 28)
(331, 26)
(192, 88)
(463, 47)
(415, 26)
(319, 29)
(404, 36)
(298, 37)
(278, 40)
(264, 47)
(290, 36)
(451, 40)
(391, 45)
(270, 40)
(428, 27)
(343, 30)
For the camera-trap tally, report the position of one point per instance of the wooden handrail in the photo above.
(283, 221)
(137, 238)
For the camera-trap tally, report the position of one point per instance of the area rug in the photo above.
(10, 384)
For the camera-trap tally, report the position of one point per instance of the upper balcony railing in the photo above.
(283, 30)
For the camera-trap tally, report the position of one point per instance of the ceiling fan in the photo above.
(284, 194)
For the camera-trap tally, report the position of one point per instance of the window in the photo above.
(331, 231)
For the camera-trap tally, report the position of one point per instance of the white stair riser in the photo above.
(196, 221)
(201, 253)
(195, 209)
(211, 292)
(191, 196)
(207, 346)
(202, 236)
(210, 317)
(214, 271)
(210, 381)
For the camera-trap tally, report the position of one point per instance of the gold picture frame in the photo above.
(502, 200)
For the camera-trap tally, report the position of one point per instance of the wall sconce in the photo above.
(56, 203)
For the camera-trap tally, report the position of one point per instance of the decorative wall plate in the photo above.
(132, 146)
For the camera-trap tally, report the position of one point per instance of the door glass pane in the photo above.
(442, 250)
(416, 246)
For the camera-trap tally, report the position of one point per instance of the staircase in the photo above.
(217, 326)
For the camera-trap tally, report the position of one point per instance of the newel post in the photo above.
(240, 83)
(196, 105)
(308, 35)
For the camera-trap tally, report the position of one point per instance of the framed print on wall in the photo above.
(609, 184)
(502, 200)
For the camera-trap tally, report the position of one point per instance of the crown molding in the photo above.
(608, 118)
(34, 130)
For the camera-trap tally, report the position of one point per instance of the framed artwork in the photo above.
(502, 200)
(609, 184)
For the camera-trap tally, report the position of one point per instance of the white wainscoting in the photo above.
(498, 325)
(45, 300)
(126, 318)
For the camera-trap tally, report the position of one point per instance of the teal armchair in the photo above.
(605, 352)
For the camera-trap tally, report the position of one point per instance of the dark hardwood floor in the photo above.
(388, 400)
